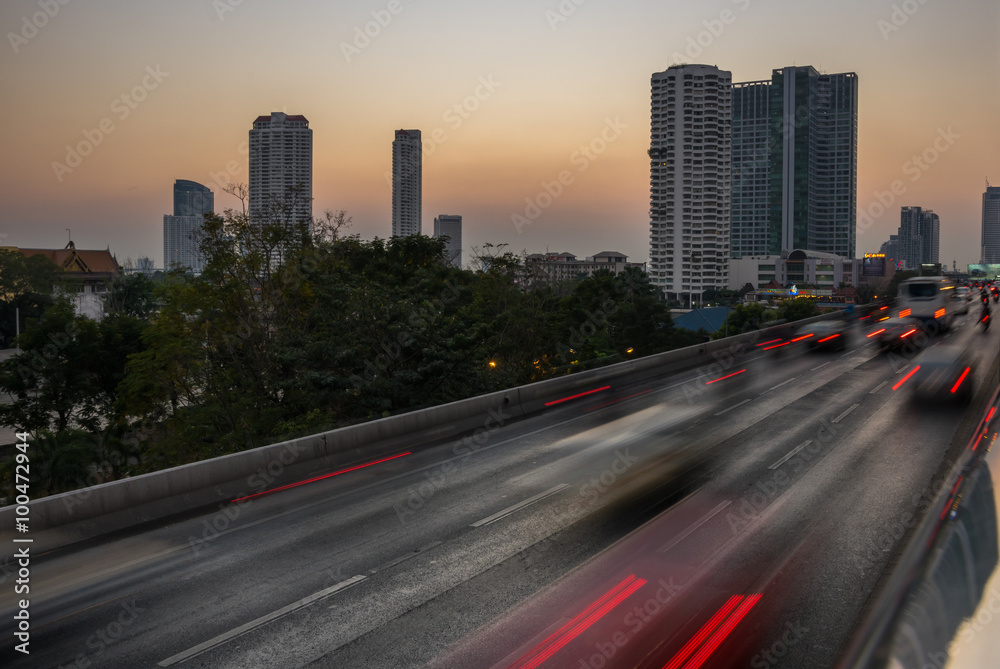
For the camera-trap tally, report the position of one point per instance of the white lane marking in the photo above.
(847, 354)
(263, 620)
(739, 404)
(820, 367)
(791, 454)
(846, 411)
(404, 558)
(783, 383)
(520, 505)
(684, 535)
(878, 388)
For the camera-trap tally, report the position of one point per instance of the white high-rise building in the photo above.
(450, 226)
(182, 229)
(407, 168)
(689, 180)
(281, 169)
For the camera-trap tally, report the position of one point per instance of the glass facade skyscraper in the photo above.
(806, 124)
(182, 230)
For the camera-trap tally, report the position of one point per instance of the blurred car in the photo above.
(943, 374)
(894, 333)
(824, 335)
(963, 298)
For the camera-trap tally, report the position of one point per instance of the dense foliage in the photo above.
(291, 330)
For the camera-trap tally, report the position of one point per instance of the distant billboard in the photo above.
(874, 265)
(990, 270)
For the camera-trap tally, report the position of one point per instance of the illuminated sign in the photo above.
(874, 255)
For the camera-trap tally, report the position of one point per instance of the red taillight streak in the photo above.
(708, 383)
(777, 346)
(580, 623)
(319, 478)
(827, 338)
(877, 332)
(801, 338)
(723, 632)
(883, 308)
(765, 343)
(989, 416)
(905, 312)
(960, 379)
(703, 633)
(622, 399)
(907, 333)
(939, 313)
(573, 397)
(906, 378)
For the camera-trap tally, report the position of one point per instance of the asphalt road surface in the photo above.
(718, 517)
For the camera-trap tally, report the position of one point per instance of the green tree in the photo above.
(797, 309)
(26, 286)
(746, 318)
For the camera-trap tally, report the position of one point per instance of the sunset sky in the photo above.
(556, 75)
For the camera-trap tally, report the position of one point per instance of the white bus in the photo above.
(931, 299)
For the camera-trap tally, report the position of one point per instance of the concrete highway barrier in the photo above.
(67, 518)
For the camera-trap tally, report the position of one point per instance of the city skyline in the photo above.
(499, 124)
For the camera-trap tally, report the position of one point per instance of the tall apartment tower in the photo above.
(795, 157)
(689, 180)
(281, 169)
(991, 225)
(750, 217)
(182, 230)
(407, 186)
(450, 226)
(919, 236)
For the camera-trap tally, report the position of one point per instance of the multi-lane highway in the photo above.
(717, 517)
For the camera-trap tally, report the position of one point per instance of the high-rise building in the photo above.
(891, 249)
(919, 237)
(281, 169)
(182, 230)
(407, 167)
(690, 173)
(450, 226)
(991, 225)
(795, 153)
(750, 204)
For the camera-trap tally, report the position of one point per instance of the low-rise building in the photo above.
(91, 273)
(567, 267)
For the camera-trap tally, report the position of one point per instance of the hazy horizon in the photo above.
(533, 82)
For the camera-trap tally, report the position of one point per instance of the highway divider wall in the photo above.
(66, 518)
